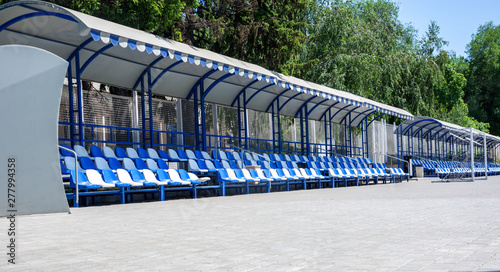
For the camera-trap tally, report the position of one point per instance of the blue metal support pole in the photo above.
(150, 103)
(71, 104)
(79, 90)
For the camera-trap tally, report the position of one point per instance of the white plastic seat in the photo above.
(232, 175)
(149, 176)
(175, 177)
(124, 177)
(95, 178)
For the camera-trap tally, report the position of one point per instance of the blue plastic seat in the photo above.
(96, 151)
(64, 169)
(87, 164)
(83, 182)
(101, 164)
(114, 164)
(165, 156)
(233, 165)
(140, 164)
(218, 164)
(182, 155)
(237, 156)
(204, 166)
(216, 155)
(65, 153)
(210, 166)
(143, 153)
(120, 152)
(162, 164)
(193, 166)
(229, 156)
(111, 178)
(94, 177)
(138, 177)
(198, 154)
(206, 156)
(225, 164)
(163, 176)
(186, 177)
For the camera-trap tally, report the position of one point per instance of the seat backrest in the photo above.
(153, 154)
(82, 178)
(218, 164)
(246, 174)
(70, 163)
(162, 164)
(140, 164)
(193, 165)
(94, 177)
(80, 151)
(142, 153)
(109, 176)
(123, 176)
(189, 153)
(174, 175)
(184, 175)
(132, 153)
(239, 173)
(120, 152)
(232, 164)
(96, 151)
(253, 173)
(198, 154)
(210, 165)
(182, 154)
(215, 154)
(163, 175)
(114, 164)
(230, 173)
(202, 164)
(152, 164)
(66, 153)
(172, 154)
(225, 164)
(149, 176)
(87, 163)
(136, 175)
(128, 164)
(64, 169)
(237, 156)
(109, 153)
(223, 155)
(229, 155)
(206, 156)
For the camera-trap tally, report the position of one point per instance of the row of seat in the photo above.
(445, 169)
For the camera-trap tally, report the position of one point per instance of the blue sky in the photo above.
(458, 19)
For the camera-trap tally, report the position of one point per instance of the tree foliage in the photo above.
(484, 75)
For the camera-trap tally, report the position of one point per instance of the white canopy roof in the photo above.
(119, 55)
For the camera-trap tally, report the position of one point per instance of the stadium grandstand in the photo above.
(141, 117)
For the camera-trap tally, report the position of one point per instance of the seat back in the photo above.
(231, 174)
(128, 164)
(149, 176)
(132, 153)
(82, 178)
(229, 155)
(162, 164)
(109, 176)
(66, 153)
(142, 153)
(198, 154)
(87, 163)
(140, 164)
(96, 151)
(163, 175)
(114, 164)
(218, 165)
(123, 176)
(184, 175)
(137, 176)
(174, 175)
(80, 151)
(210, 165)
(239, 174)
(172, 154)
(153, 154)
(253, 174)
(206, 156)
(246, 174)
(225, 164)
(120, 152)
(193, 165)
(70, 163)
(151, 164)
(202, 164)
(182, 154)
(109, 153)
(190, 154)
(94, 177)
(237, 156)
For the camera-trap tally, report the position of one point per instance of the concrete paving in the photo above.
(415, 226)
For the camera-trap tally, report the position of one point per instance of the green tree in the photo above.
(484, 75)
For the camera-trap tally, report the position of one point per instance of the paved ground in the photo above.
(402, 227)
